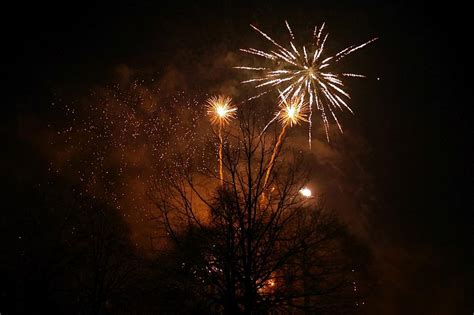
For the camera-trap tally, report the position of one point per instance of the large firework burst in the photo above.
(305, 72)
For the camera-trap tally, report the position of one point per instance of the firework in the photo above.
(221, 111)
(291, 112)
(305, 72)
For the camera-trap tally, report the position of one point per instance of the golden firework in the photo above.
(220, 109)
(305, 72)
(292, 111)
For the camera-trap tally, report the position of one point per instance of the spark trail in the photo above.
(305, 72)
(221, 111)
(291, 112)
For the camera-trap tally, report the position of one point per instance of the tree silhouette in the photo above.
(69, 253)
(250, 245)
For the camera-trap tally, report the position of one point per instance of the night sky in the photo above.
(413, 121)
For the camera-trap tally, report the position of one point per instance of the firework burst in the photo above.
(292, 112)
(305, 73)
(221, 111)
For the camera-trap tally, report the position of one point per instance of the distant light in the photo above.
(221, 111)
(306, 192)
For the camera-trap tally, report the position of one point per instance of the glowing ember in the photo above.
(268, 286)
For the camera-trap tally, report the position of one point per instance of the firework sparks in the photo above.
(292, 112)
(221, 111)
(305, 72)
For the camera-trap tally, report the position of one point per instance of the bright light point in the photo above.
(305, 192)
(292, 111)
(220, 109)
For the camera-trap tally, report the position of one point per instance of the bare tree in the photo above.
(250, 245)
(107, 267)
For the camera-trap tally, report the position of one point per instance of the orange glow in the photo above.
(306, 192)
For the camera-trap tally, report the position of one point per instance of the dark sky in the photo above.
(414, 119)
